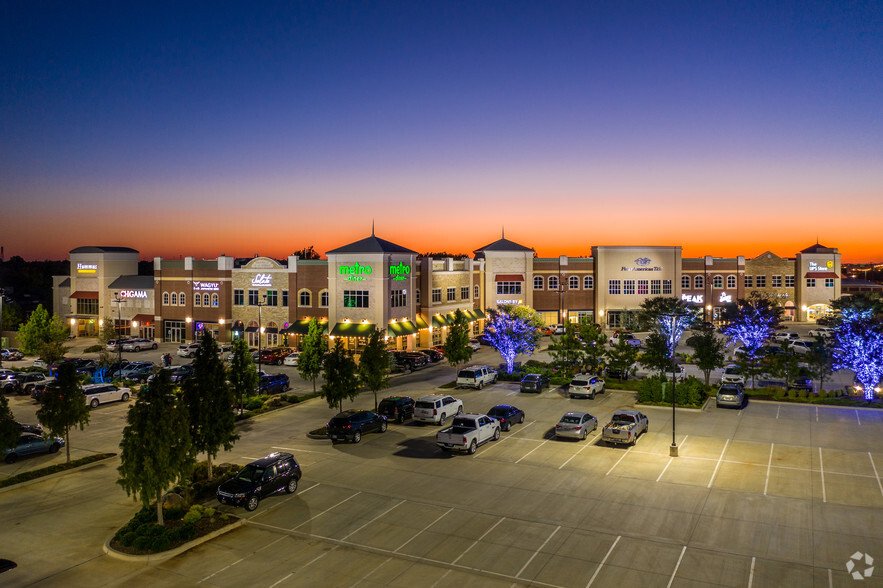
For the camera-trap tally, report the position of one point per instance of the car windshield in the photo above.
(250, 473)
(570, 419)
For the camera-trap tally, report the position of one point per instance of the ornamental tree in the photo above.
(44, 335)
(708, 351)
(374, 365)
(243, 373)
(752, 322)
(209, 400)
(859, 340)
(593, 346)
(456, 346)
(341, 377)
(156, 449)
(309, 361)
(64, 405)
(510, 334)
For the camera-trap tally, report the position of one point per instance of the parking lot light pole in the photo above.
(119, 329)
(261, 303)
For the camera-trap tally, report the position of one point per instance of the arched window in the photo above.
(323, 298)
(685, 282)
(205, 299)
(215, 300)
(699, 282)
(731, 281)
(174, 299)
(588, 283)
(538, 282)
(197, 298)
(717, 282)
(553, 282)
(165, 298)
(303, 298)
(573, 283)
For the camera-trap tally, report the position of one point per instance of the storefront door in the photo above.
(174, 331)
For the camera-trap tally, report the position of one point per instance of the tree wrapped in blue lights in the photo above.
(859, 340)
(752, 322)
(668, 317)
(511, 332)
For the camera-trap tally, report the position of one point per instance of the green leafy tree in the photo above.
(820, 360)
(621, 357)
(374, 366)
(44, 335)
(156, 449)
(783, 364)
(243, 373)
(656, 355)
(9, 429)
(456, 346)
(12, 317)
(209, 400)
(341, 377)
(64, 406)
(567, 350)
(309, 361)
(107, 332)
(593, 346)
(708, 351)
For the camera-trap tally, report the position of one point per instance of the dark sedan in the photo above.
(349, 425)
(534, 383)
(507, 415)
(30, 444)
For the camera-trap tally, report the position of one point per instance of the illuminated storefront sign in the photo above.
(725, 298)
(694, 298)
(816, 267)
(207, 286)
(262, 280)
(355, 272)
(87, 268)
(501, 301)
(399, 271)
(133, 293)
(642, 264)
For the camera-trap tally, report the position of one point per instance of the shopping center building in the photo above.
(374, 283)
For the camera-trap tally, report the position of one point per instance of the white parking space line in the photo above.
(277, 504)
(327, 509)
(873, 465)
(603, 561)
(363, 578)
(662, 473)
(443, 576)
(587, 444)
(513, 392)
(822, 470)
(769, 465)
(830, 579)
(241, 559)
(306, 565)
(487, 448)
(817, 414)
(677, 565)
(751, 573)
(477, 541)
(441, 516)
(527, 563)
(304, 451)
(857, 418)
(720, 459)
(374, 519)
(532, 450)
(778, 408)
(619, 460)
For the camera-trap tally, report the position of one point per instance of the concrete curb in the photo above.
(57, 474)
(153, 558)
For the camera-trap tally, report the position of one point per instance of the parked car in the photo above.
(730, 395)
(476, 376)
(624, 336)
(225, 352)
(436, 408)
(625, 427)
(733, 375)
(273, 384)
(102, 393)
(350, 425)
(576, 425)
(139, 344)
(397, 408)
(269, 475)
(800, 381)
(620, 374)
(507, 415)
(467, 432)
(291, 358)
(30, 444)
(786, 336)
(475, 344)
(139, 373)
(187, 350)
(181, 373)
(112, 344)
(16, 382)
(434, 355)
(134, 366)
(28, 388)
(534, 383)
(822, 332)
(12, 355)
(39, 390)
(274, 355)
(33, 429)
(585, 386)
(409, 361)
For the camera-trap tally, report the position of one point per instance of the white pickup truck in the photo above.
(467, 432)
(625, 427)
(628, 337)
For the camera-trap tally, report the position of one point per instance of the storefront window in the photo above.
(355, 298)
(238, 297)
(614, 287)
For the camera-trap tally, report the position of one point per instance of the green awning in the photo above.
(421, 324)
(439, 321)
(401, 328)
(479, 314)
(302, 327)
(352, 330)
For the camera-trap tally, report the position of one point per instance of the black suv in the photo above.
(349, 425)
(274, 473)
(273, 384)
(397, 408)
(534, 383)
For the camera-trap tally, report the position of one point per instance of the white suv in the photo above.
(100, 393)
(476, 376)
(733, 375)
(436, 408)
(187, 350)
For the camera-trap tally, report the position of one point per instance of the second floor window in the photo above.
(614, 287)
(355, 299)
(436, 295)
(573, 283)
(284, 297)
(749, 281)
(731, 282)
(305, 299)
(238, 297)
(777, 282)
(761, 281)
(464, 293)
(398, 298)
(452, 294)
(323, 298)
(508, 287)
(789, 281)
(252, 297)
(588, 283)
(272, 298)
(655, 287)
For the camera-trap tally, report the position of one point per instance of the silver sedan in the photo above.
(576, 425)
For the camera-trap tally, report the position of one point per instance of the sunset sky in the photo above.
(208, 128)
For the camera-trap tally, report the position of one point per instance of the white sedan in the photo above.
(291, 358)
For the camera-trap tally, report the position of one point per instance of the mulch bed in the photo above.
(204, 526)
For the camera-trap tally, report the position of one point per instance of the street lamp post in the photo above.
(261, 304)
(675, 328)
(119, 330)
(673, 450)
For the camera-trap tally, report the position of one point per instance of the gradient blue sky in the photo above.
(219, 127)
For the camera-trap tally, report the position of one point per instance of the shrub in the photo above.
(142, 542)
(801, 394)
(128, 539)
(160, 543)
(254, 403)
(185, 532)
(275, 402)
(792, 394)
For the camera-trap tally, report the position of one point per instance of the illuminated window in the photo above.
(508, 287)
(731, 282)
(355, 299)
(215, 300)
(573, 283)
(588, 283)
(538, 282)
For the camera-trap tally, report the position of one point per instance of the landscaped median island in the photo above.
(54, 469)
